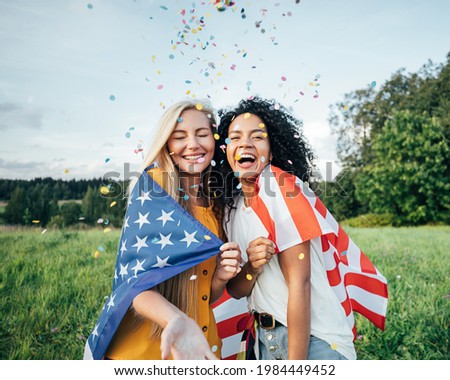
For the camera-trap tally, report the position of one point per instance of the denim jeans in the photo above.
(273, 345)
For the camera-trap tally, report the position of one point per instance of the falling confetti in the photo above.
(373, 84)
(301, 256)
(193, 277)
(333, 346)
(207, 237)
(90, 6)
(104, 190)
(35, 221)
(112, 97)
(249, 277)
(66, 171)
(113, 203)
(107, 160)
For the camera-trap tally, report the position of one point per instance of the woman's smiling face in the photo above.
(191, 144)
(248, 151)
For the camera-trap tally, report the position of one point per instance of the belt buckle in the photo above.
(266, 321)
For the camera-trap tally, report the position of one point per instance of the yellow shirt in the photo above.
(131, 340)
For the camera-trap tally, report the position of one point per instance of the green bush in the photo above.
(369, 220)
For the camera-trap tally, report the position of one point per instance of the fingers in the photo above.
(231, 245)
(262, 241)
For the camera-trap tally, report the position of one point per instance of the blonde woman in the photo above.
(172, 318)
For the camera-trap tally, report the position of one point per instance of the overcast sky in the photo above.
(83, 83)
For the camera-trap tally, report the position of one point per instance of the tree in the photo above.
(16, 207)
(70, 213)
(408, 176)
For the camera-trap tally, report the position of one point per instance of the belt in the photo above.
(266, 320)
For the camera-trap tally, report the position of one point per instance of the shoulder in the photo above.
(159, 176)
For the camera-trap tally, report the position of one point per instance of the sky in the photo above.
(83, 83)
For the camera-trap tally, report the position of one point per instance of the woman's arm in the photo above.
(295, 264)
(259, 253)
(181, 335)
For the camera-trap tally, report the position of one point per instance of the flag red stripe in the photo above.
(372, 285)
(366, 265)
(224, 297)
(228, 327)
(320, 207)
(299, 207)
(377, 319)
(263, 214)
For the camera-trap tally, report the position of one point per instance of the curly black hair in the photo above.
(290, 149)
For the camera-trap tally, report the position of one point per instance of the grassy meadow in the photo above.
(53, 286)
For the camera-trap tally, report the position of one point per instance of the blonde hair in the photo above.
(179, 290)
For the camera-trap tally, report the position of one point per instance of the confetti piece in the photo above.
(90, 6)
(247, 115)
(160, 87)
(344, 253)
(276, 106)
(213, 163)
(263, 159)
(199, 106)
(55, 330)
(227, 141)
(113, 203)
(290, 162)
(44, 231)
(106, 230)
(35, 221)
(66, 171)
(164, 8)
(201, 159)
(237, 157)
(248, 276)
(81, 218)
(333, 346)
(193, 277)
(261, 125)
(96, 254)
(239, 186)
(180, 119)
(171, 56)
(207, 237)
(214, 348)
(373, 84)
(283, 78)
(186, 197)
(104, 190)
(112, 97)
(301, 256)
(216, 136)
(265, 134)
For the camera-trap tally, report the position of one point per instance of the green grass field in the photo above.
(53, 287)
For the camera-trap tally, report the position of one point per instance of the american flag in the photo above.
(159, 240)
(291, 212)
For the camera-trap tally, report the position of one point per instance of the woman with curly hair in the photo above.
(284, 278)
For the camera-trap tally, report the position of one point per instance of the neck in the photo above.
(249, 191)
(192, 187)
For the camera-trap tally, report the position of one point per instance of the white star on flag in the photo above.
(144, 197)
(111, 302)
(125, 224)
(123, 270)
(123, 248)
(95, 332)
(116, 277)
(142, 220)
(138, 266)
(189, 238)
(141, 243)
(161, 263)
(165, 240)
(166, 217)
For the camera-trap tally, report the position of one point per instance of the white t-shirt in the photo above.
(270, 292)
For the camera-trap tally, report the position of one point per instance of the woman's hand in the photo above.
(259, 252)
(183, 339)
(228, 261)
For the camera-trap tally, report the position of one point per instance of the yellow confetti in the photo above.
(333, 346)
(345, 108)
(301, 256)
(246, 115)
(171, 153)
(207, 237)
(194, 31)
(249, 277)
(104, 190)
(216, 136)
(106, 230)
(188, 92)
(261, 125)
(113, 203)
(96, 254)
(35, 221)
(199, 106)
(237, 157)
(66, 171)
(265, 134)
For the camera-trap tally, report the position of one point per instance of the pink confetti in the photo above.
(283, 78)
(160, 87)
